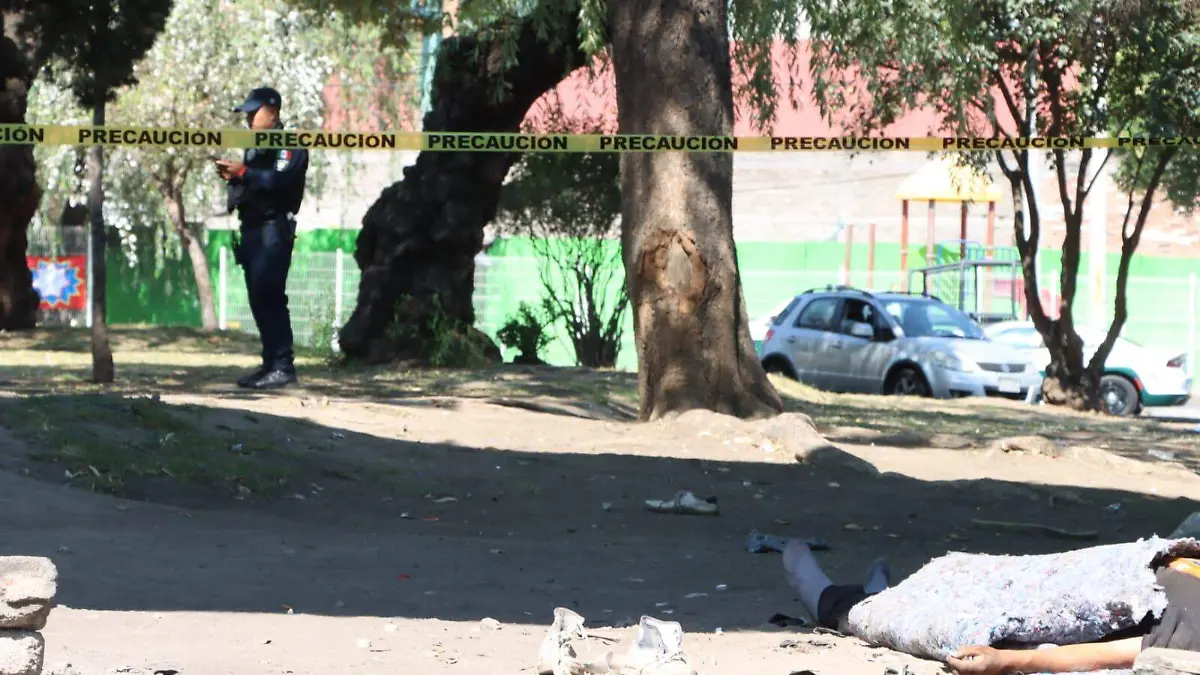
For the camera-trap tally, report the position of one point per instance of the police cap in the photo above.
(258, 98)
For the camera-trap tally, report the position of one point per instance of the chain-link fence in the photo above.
(323, 287)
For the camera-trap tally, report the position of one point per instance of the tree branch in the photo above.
(1107, 154)
(1128, 247)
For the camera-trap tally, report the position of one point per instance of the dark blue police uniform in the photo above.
(267, 197)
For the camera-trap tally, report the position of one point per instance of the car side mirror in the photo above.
(862, 330)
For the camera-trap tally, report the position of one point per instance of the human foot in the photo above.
(879, 576)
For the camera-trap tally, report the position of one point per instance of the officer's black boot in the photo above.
(247, 381)
(275, 379)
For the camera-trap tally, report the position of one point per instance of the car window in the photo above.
(778, 318)
(859, 311)
(1023, 338)
(819, 314)
(924, 318)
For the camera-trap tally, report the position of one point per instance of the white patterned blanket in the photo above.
(1061, 598)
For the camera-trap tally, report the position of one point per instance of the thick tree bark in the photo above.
(673, 74)
(1069, 382)
(102, 360)
(419, 239)
(195, 251)
(19, 190)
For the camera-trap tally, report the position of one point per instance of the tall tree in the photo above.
(420, 237)
(18, 185)
(92, 46)
(209, 55)
(418, 243)
(673, 72)
(1020, 68)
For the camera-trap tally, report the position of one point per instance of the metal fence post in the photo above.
(1191, 319)
(339, 286)
(222, 288)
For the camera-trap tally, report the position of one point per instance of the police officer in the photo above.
(266, 188)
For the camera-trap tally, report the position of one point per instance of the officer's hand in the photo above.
(228, 169)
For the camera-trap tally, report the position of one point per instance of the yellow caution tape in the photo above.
(18, 134)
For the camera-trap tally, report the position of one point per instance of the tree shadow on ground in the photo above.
(363, 525)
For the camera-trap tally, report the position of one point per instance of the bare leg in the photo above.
(804, 575)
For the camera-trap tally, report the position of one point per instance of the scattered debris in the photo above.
(363, 643)
(693, 596)
(1030, 445)
(1115, 507)
(685, 503)
(853, 527)
(606, 506)
(1164, 455)
(783, 621)
(721, 588)
(489, 623)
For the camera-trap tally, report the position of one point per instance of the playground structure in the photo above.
(981, 279)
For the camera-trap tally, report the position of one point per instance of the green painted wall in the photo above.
(1160, 300)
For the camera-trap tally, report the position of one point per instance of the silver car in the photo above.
(848, 340)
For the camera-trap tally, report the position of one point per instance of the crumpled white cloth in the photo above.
(965, 599)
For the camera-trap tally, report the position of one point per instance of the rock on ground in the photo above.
(21, 652)
(27, 588)
(1033, 445)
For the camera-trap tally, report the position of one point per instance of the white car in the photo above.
(850, 340)
(1134, 376)
(760, 326)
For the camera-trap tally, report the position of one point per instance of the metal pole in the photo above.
(871, 256)
(904, 245)
(929, 235)
(223, 288)
(338, 288)
(1191, 350)
(90, 289)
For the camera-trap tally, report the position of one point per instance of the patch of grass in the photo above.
(108, 443)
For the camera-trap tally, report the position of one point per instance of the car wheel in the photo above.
(1118, 396)
(908, 382)
(779, 366)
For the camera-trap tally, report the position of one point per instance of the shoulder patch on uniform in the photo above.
(284, 157)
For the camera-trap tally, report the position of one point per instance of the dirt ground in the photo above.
(371, 519)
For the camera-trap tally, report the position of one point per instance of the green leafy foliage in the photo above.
(1029, 68)
(92, 45)
(1156, 92)
(525, 332)
(756, 26)
(568, 205)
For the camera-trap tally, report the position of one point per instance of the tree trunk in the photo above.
(673, 73)
(102, 360)
(19, 190)
(195, 251)
(419, 240)
(1068, 380)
